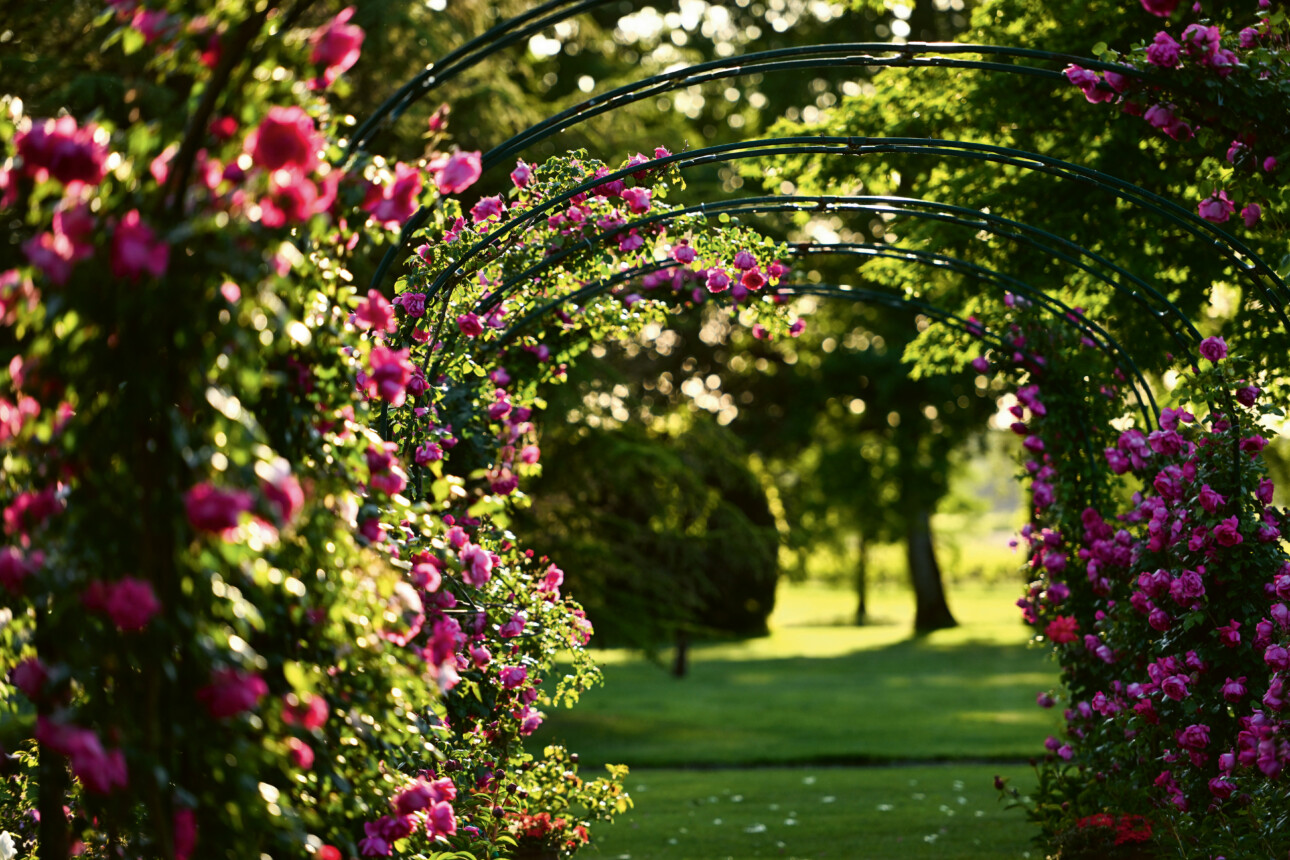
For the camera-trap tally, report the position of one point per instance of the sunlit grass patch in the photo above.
(856, 814)
(826, 693)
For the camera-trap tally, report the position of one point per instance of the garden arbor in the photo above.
(1078, 370)
(268, 598)
(1124, 295)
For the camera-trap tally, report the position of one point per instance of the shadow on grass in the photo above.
(913, 700)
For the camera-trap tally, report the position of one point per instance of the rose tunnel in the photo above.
(1089, 382)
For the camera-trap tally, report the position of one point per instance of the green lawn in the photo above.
(949, 812)
(820, 691)
(710, 752)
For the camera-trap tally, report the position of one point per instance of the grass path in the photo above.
(948, 812)
(710, 752)
(815, 691)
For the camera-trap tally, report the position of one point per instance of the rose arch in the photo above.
(260, 592)
(1165, 610)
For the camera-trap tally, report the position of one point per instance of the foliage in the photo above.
(634, 515)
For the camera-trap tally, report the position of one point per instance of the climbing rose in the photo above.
(1226, 532)
(521, 175)
(286, 138)
(375, 313)
(1251, 214)
(461, 171)
(1163, 8)
(136, 249)
(309, 715)
(513, 676)
(1163, 51)
(232, 691)
(1062, 629)
(29, 676)
(717, 281)
(390, 374)
(413, 304)
(392, 205)
(1216, 208)
(638, 200)
(1213, 348)
(16, 567)
(284, 494)
(470, 325)
(57, 148)
(486, 208)
(477, 564)
(441, 821)
(302, 755)
(336, 48)
(211, 509)
(131, 603)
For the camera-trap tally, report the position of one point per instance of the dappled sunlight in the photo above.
(829, 693)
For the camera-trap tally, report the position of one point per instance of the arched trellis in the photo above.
(867, 55)
(1057, 309)
(1263, 276)
(1058, 248)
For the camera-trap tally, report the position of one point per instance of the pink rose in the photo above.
(1226, 532)
(130, 603)
(375, 313)
(1162, 8)
(286, 138)
(469, 325)
(211, 509)
(136, 249)
(461, 171)
(1216, 208)
(1164, 51)
(336, 48)
(15, 567)
(285, 495)
(393, 205)
(477, 564)
(513, 676)
(30, 676)
(231, 692)
(185, 832)
(638, 200)
(1213, 348)
(58, 148)
(521, 175)
(390, 374)
(441, 821)
(311, 714)
(486, 208)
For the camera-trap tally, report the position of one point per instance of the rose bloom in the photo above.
(286, 138)
(459, 172)
(336, 47)
(211, 509)
(1062, 629)
(1213, 348)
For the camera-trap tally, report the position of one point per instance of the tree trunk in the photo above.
(931, 612)
(862, 582)
(681, 664)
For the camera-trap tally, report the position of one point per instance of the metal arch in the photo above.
(718, 69)
(1275, 292)
(1061, 311)
(935, 211)
(461, 59)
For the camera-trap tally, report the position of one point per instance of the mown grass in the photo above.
(818, 690)
(710, 751)
(945, 812)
